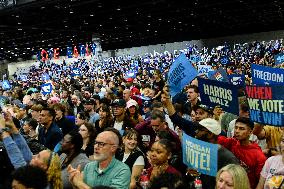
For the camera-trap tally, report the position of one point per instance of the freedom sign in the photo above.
(263, 75)
(217, 93)
(180, 74)
(200, 155)
(266, 104)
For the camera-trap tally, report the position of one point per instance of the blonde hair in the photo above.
(54, 171)
(240, 178)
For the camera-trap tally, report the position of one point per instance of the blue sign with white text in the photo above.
(180, 74)
(237, 79)
(224, 60)
(217, 93)
(200, 155)
(204, 69)
(279, 58)
(263, 75)
(23, 77)
(6, 85)
(266, 104)
(45, 77)
(46, 88)
(219, 75)
(76, 72)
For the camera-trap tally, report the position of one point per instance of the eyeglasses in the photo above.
(101, 144)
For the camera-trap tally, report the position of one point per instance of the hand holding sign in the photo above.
(46, 88)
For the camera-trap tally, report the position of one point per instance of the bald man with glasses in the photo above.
(106, 170)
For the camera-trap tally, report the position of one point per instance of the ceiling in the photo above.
(33, 24)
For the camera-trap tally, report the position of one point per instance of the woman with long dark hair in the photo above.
(131, 155)
(105, 120)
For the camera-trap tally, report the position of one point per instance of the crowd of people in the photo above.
(109, 128)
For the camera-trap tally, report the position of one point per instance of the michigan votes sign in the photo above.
(266, 104)
(200, 155)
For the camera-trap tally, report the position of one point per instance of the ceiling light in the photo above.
(20, 29)
(71, 12)
(91, 15)
(118, 9)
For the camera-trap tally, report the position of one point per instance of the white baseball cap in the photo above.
(212, 125)
(130, 103)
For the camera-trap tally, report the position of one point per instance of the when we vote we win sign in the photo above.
(266, 104)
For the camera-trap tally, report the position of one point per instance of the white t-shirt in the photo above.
(273, 172)
(118, 125)
(139, 160)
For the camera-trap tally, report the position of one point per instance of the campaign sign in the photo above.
(76, 72)
(180, 74)
(204, 69)
(194, 58)
(266, 104)
(279, 58)
(200, 155)
(3, 101)
(45, 77)
(224, 60)
(263, 75)
(23, 77)
(130, 74)
(6, 85)
(237, 79)
(219, 75)
(216, 93)
(46, 88)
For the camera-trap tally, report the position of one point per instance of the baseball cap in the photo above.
(203, 107)
(119, 102)
(89, 101)
(130, 103)
(212, 125)
(129, 79)
(147, 104)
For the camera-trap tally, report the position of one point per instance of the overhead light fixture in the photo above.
(71, 12)
(91, 15)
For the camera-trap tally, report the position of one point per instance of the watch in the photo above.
(5, 129)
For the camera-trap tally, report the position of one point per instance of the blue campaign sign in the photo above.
(216, 93)
(263, 75)
(199, 155)
(76, 72)
(180, 74)
(45, 77)
(279, 58)
(4, 101)
(224, 60)
(237, 79)
(204, 69)
(130, 74)
(266, 104)
(6, 85)
(219, 75)
(194, 58)
(46, 88)
(23, 77)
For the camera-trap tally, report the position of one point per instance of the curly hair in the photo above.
(54, 171)
(31, 177)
